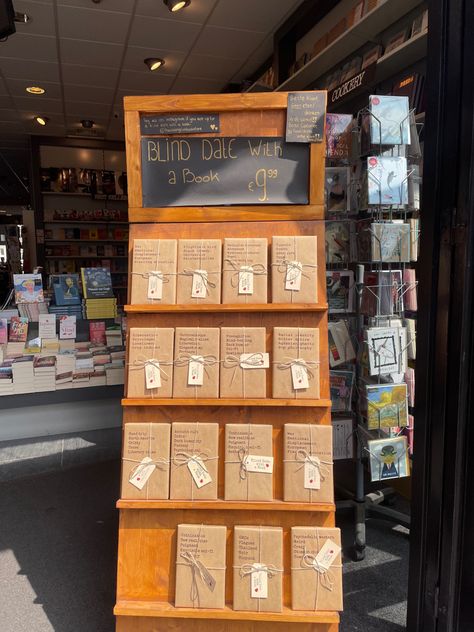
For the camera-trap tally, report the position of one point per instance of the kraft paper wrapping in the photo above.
(235, 381)
(258, 545)
(199, 254)
(196, 341)
(201, 552)
(307, 443)
(240, 441)
(146, 345)
(297, 346)
(188, 441)
(146, 440)
(251, 252)
(149, 257)
(286, 250)
(314, 588)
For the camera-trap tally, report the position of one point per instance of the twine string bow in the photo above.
(270, 569)
(307, 364)
(303, 456)
(258, 269)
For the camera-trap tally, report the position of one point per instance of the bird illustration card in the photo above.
(387, 180)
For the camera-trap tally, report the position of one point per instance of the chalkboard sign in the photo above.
(217, 171)
(305, 117)
(180, 124)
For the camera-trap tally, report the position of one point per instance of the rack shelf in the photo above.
(364, 31)
(164, 609)
(87, 257)
(97, 196)
(300, 403)
(267, 307)
(84, 221)
(272, 505)
(87, 241)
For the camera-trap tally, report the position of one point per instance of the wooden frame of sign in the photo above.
(147, 532)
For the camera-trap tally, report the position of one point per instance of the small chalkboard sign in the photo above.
(221, 170)
(165, 124)
(305, 117)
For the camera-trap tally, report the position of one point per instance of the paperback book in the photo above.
(339, 136)
(18, 329)
(96, 283)
(66, 289)
(28, 288)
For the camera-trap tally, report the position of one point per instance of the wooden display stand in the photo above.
(147, 537)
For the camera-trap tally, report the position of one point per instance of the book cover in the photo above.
(97, 332)
(387, 406)
(389, 120)
(18, 329)
(28, 288)
(66, 289)
(67, 327)
(387, 180)
(47, 326)
(341, 384)
(336, 189)
(3, 331)
(340, 291)
(371, 56)
(96, 283)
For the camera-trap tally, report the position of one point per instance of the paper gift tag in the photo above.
(196, 371)
(199, 287)
(199, 472)
(294, 270)
(254, 360)
(328, 553)
(142, 473)
(259, 582)
(262, 464)
(152, 374)
(312, 476)
(246, 280)
(299, 376)
(206, 576)
(155, 285)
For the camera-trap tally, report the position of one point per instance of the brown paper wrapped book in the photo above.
(248, 462)
(258, 568)
(242, 353)
(244, 270)
(194, 461)
(196, 362)
(199, 271)
(308, 465)
(295, 269)
(200, 566)
(154, 271)
(316, 569)
(146, 461)
(295, 363)
(150, 362)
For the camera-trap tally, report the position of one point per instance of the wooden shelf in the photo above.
(240, 307)
(87, 257)
(301, 403)
(96, 196)
(232, 505)
(359, 34)
(87, 241)
(84, 221)
(164, 609)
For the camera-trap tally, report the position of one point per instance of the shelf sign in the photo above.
(305, 117)
(164, 124)
(353, 85)
(217, 171)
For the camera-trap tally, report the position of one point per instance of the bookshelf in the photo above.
(147, 530)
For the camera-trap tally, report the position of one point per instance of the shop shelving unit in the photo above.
(147, 531)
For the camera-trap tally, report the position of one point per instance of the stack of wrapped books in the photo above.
(44, 369)
(23, 375)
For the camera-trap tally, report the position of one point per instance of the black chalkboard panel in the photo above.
(221, 171)
(180, 124)
(305, 117)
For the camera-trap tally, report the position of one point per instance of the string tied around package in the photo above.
(258, 269)
(141, 364)
(203, 274)
(270, 569)
(183, 458)
(255, 360)
(307, 364)
(303, 456)
(207, 360)
(162, 276)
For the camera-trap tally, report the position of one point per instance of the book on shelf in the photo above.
(96, 283)
(97, 331)
(339, 136)
(3, 331)
(28, 288)
(18, 329)
(66, 289)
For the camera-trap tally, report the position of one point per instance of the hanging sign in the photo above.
(216, 171)
(355, 84)
(164, 124)
(305, 117)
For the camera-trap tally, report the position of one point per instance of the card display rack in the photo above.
(147, 528)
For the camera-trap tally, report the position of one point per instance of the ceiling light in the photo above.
(176, 5)
(42, 120)
(35, 90)
(154, 63)
(87, 123)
